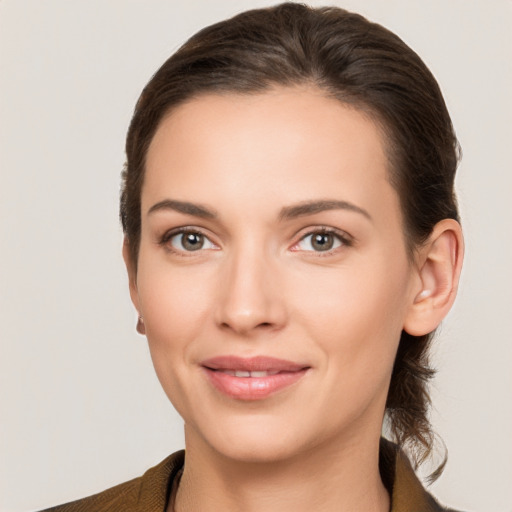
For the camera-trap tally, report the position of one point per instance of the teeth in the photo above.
(259, 374)
(244, 373)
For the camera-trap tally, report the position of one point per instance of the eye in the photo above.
(321, 241)
(188, 241)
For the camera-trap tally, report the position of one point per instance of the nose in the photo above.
(250, 299)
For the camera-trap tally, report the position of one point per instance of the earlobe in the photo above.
(141, 328)
(439, 267)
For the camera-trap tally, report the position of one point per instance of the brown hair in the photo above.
(360, 63)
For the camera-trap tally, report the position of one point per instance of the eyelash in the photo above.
(169, 235)
(343, 238)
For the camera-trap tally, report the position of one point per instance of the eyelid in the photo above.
(345, 238)
(165, 239)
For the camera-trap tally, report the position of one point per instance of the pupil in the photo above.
(192, 241)
(322, 241)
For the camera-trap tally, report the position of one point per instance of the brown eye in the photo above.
(189, 241)
(321, 241)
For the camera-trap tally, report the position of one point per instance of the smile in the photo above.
(253, 378)
(243, 373)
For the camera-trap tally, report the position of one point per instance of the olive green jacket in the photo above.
(150, 492)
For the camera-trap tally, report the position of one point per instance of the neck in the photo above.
(320, 479)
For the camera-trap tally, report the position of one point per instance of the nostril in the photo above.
(239, 327)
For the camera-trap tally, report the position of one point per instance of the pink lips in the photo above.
(252, 378)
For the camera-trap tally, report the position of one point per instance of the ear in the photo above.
(439, 263)
(132, 274)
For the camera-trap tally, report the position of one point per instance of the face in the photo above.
(272, 275)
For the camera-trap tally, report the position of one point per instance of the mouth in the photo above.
(252, 378)
(243, 373)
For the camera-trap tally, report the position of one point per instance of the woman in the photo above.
(292, 242)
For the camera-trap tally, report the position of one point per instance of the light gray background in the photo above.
(80, 407)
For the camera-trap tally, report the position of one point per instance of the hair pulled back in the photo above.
(360, 63)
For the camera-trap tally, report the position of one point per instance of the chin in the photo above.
(254, 440)
(261, 450)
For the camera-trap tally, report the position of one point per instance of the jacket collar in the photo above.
(406, 491)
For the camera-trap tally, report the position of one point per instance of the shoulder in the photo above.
(407, 492)
(148, 493)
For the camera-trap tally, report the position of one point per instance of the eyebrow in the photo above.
(312, 207)
(287, 213)
(197, 210)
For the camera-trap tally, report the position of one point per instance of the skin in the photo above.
(259, 287)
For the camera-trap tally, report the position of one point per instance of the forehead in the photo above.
(287, 143)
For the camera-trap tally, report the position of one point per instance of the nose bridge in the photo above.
(250, 297)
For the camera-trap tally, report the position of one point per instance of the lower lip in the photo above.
(252, 388)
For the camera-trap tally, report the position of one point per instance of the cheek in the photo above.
(356, 314)
(174, 303)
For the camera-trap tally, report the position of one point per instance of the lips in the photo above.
(252, 378)
(243, 373)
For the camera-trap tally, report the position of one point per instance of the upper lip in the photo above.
(252, 364)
